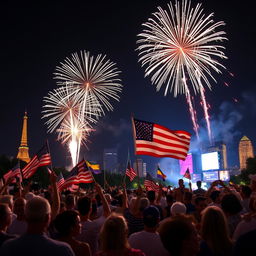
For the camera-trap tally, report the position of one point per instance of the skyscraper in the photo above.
(110, 160)
(23, 148)
(245, 151)
(142, 168)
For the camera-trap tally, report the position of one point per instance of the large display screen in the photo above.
(196, 177)
(224, 175)
(186, 164)
(210, 161)
(210, 176)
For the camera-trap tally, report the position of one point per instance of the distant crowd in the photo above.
(220, 221)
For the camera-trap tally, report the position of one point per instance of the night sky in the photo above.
(35, 38)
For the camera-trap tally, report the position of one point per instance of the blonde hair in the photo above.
(214, 230)
(113, 235)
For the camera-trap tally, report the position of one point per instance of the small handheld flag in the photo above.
(130, 172)
(95, 168)
(14, 172)
(42, 158)
(187, 174)
(160, 174)
(150, 184)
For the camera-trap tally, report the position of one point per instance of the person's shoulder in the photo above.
(57, 244)
(136, 235)
(135, 252)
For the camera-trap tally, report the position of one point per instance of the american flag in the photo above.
(159, 141)
(60, 181)
(14, 172)
(187, 174)
(150, 184)
(130, 172)
(79, 174)
(41, 158)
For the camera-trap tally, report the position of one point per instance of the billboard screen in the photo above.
(196, 177)
(224, 175)
(210, 161)
(210, 176)
(186, 164)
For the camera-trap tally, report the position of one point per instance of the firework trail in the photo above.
(181, 42)
(206, 115)
(193, 114)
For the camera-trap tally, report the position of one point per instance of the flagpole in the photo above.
(49, 152)
(128, 158)
(134, 140)
(104, 175)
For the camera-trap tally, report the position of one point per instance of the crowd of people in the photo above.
(219, 221)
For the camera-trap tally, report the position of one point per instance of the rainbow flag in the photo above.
(95, 168)
(160, 174)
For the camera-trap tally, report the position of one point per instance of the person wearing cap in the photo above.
(149, 240)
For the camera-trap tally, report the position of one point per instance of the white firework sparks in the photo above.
(59, 103)
(177, 42)
(93, 76)
(63, 110)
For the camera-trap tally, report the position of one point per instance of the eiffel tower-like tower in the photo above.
(23, 148)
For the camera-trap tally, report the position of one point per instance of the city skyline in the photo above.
(34, 43)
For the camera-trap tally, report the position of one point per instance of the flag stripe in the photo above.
(181, 133)
(165, 140)
(160, 155)
(160, 151)
(169, 135)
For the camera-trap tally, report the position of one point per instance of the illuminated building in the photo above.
(142, 168)
(110, 160)
(221, 148)
(245, 151)
(23, 148)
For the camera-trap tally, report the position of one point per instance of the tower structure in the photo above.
(245, 151)
(23, 148)
(110, 160)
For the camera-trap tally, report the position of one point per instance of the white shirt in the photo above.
(149, 243)
(244, 227)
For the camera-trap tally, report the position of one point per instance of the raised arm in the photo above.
(125, 200)
(55, 195)
(106, 208)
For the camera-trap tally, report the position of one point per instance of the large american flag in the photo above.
(79, 174)
(14, 172)
(42, 158)
(149, 184)
(159, 141)
(130, 171)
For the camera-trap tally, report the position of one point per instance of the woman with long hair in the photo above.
(113, 238)
(214, 233)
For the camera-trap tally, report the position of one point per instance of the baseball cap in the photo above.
(178, 208)
(151, 216)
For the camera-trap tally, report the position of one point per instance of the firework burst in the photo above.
(89, 75)
(179, 44)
